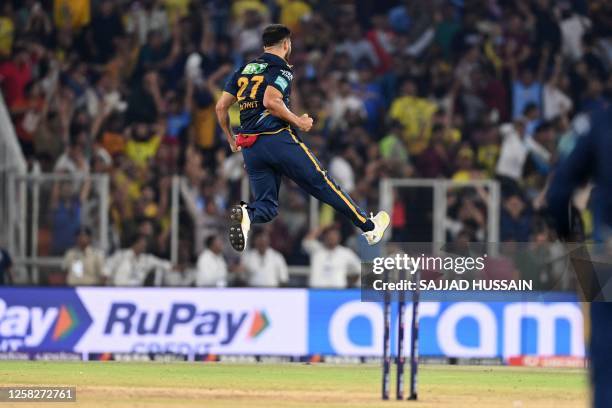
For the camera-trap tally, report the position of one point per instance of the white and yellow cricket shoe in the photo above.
(239, 227)
(381, 222)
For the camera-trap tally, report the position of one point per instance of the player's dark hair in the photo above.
(274, 33)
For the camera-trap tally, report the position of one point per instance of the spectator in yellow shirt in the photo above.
(415, 114)
(73, 14)
(176, 9)
(240, 7)
(142, 144)
(488, 150)
(464, 163)
(7, 30)
(292, 12)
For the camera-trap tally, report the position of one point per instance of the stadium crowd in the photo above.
(454, 89)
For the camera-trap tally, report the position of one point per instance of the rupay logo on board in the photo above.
(195, 321)
(33, 320)
(184, 320)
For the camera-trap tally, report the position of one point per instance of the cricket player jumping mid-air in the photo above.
(270, 146)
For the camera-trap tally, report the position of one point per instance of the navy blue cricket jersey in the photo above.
(248, 85)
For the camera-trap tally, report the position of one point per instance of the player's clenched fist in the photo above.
(304, 122)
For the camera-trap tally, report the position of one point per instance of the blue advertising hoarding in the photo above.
(339, 323)
(288, 322)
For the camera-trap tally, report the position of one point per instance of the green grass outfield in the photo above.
(169, 385)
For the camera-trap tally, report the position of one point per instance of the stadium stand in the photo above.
(431, 89)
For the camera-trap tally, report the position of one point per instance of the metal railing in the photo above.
(440, 188)
(97, 204)
(38, 185)
(42, 188)
(13, 200)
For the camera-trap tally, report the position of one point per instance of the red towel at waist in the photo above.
(245, 141)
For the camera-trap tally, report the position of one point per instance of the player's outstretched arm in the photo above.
(273, 102)
(222, 109)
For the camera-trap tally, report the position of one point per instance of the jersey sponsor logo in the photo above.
(286, 73)
(255, 68)
(248, 105)
(281, 82)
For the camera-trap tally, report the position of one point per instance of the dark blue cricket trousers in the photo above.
(284, 154)
(601, 354)
(601, 326)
